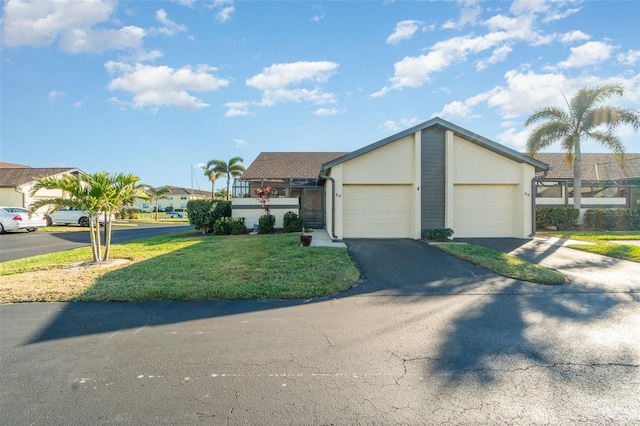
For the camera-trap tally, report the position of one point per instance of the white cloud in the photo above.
(630, 57)
(404, 31)
(44, 22)
(223, 10)
(240, 143)
(503, 32)
(574, 36)
(98, 41)
(277, 80)
(77, 104)
(237, 109)
(499, 55)
(404, 123)
(326, 112)
(170, 28)
(54, 94)
(590, 53)
(455, 110)
(511, 137)
(157, 86)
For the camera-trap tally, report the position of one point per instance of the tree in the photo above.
(221, 168)
(95, 194)
(157, 194)
(212, 175)
(586, 118)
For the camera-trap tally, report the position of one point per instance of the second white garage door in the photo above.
(377, 211)
(483, 210)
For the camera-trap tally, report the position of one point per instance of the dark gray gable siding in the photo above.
(432, 184)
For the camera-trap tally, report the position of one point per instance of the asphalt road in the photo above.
(427, 344)
(19, 244)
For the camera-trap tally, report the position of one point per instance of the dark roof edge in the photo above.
(437, 121)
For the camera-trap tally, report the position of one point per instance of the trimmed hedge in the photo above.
(560, 217)
(616, 219)
(230, 226)
(292, 222)
(203, 214)
(438, 234)
(266, 224)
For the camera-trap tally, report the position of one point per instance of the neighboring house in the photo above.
(16, 181)
(176, 200)
(433, 175)
(605, 182)
(294, 179)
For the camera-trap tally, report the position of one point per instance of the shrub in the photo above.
(230, 226)
(133, 213)
(616, 219)
(266, 224)
(292, 222)
(438, 234)
(203, 214)
(560, 217)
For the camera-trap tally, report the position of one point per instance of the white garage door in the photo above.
(377, 211)
(483, 210)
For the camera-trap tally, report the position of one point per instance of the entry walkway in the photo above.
(321, 238)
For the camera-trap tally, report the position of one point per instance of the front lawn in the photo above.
(602, 243)
(183, 267)
(502, 263)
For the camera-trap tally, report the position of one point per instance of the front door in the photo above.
(312, 207)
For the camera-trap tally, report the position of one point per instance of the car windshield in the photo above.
(15, 210)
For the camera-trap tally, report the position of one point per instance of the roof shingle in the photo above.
(288, 165)
(595, 166)
(12, 177)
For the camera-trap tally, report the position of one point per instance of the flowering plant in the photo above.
(263, 198)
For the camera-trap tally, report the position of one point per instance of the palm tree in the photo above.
(156, 194)
(212, 175)
(221, 168)
(93, 193)
(586, 118)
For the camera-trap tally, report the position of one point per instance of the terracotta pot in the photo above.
(305, 240)
(551, 228)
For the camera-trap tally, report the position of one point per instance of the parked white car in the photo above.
(71, 216)
(12, 218)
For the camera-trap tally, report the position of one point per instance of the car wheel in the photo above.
(1, 229)
(49, 221)
(32, 229)
(84, 221)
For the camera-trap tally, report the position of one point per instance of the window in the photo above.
(549, 190)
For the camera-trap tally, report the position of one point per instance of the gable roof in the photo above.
(12, 165)
(288, 165)
(13, 177)
(459, 131)
(595, 166)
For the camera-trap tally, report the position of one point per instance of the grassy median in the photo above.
(183, 267)
(604, 243)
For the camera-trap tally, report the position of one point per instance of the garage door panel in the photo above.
(377, 211)
(483, 210)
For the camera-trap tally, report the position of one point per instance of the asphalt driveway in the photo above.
(423, 339)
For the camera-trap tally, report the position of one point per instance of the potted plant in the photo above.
(305, 238)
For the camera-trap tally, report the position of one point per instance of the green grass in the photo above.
(185, 267)
(502, 263)
(601, 243)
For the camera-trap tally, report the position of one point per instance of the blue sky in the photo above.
(157, 88)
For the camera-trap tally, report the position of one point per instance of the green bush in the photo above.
(616, 219)
(266, 224)
(292, 222)
(203, 214)
(560, 217)
(230, 226)
(438, 234)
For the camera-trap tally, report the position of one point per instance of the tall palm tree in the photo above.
(157, 194)
(93, 193)
(221, 168)
(586, 118)
(212, 175)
